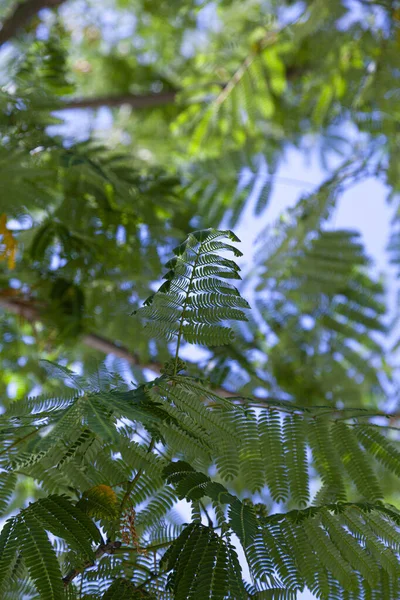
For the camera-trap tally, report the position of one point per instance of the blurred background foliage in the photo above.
(125, 124)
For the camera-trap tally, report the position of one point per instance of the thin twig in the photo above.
(209, 519)
(19, 440)
(133, 100)
(22, 15)
(150, 548)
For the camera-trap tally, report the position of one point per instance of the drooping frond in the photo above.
(321, 303)
(282, 437)
(194, 423)
(26, 535)
(39, 557)
(333, 549)
(7, 485)
(195, 297)
(64, 447)
(203, 565)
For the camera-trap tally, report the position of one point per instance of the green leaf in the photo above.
(243, 521)
(180, 308)
(40, 558)
(100, 502)
(8, 552)
(202, 565)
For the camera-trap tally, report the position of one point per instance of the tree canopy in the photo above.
(135, 378)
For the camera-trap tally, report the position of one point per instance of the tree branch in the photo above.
(101, 344)
(107, 548)
(21, 16)
(146, 100)
(133, 100)
(27, 310)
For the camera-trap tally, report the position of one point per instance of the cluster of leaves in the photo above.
(112, 462)
(84, 232)
(88, 217)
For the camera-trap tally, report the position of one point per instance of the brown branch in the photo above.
(26, 309)
(21, 16)
(108, 548)
(145, 100)
(133, 100)
(32, 313)
(104, 345)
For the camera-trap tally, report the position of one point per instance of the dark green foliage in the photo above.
(25, 537)
(39, 557)
(194, 486)
(121, 589)
(377, 445)
(204, 566)
(7, 485)
(329, 548)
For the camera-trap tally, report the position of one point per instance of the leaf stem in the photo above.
(180, 332)
(19, 440)
(150, 548)
(131, 484)
(209, 519)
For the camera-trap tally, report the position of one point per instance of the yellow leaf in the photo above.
(8, 245)
(100, 502)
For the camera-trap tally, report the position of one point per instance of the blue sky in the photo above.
(363, 207)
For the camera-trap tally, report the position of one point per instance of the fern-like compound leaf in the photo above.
(203, 565)
(356, 463)
(195, 300)
(26, 535)
(333, 549)
(58, 515)
(40, 558)
(8, 553)
(192, 485)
